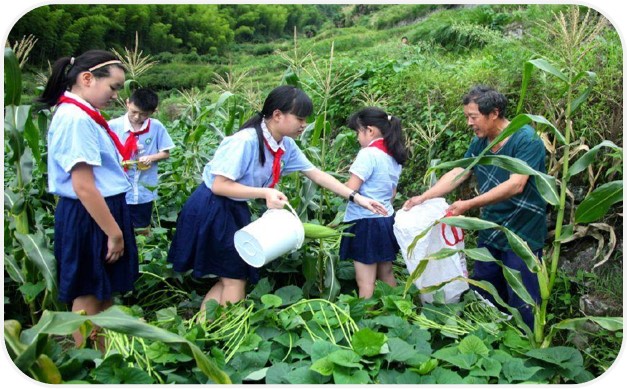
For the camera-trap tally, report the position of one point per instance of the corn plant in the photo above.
(23, 47)
(113, 319)
(28, 259)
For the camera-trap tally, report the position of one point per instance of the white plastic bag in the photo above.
(408, 224)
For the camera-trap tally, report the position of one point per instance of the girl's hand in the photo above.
(275, 198)
(115, 248)
(373, 205)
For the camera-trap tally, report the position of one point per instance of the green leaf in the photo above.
(608, 323)
(527, 70)
(303, 375)
(367, 342)
(547, 67)
(559, 356)
(426, 367)
(453, 356)
(289, 294)
(422, 234)
(345, 376)
(473, 380)
(31, 291)
(257, 374)
(393, 377)
(597, 203)
(12, 268)
(31, 135)
(323, 366)
(12, 78)
(446, 376)
(115, 319)
(271, 300)
(263, 287)
(249, 343)
(161, 353)
(519, 246)
(472, 344)
(590, 156)
(583, 96)
(514, 340)
(37, 251)
(133, 375)
(515, 370)
(547, 185)
(346, 358)
(487, 367)
(322, 348)
(514, 280)
(277, 372)
(291, 78)
(400, 350)
(488, 287)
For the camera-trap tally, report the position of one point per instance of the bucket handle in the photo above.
(292, 209)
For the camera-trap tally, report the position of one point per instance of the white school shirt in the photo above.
(155, 140)
(74, 137)
(237, 158)
(380, 173)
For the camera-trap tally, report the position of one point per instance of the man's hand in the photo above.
(409, 204)
(459, 208)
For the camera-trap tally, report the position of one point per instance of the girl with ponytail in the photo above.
(374, 173)
(94, 244)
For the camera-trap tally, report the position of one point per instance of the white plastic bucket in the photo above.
(276, 232)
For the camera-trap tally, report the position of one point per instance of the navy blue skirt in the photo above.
(204, 237)
(141, 214)
(80, 247)
(373, 242)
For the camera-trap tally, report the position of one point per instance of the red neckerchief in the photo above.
(130, 146)
(276, 164)
(97, 117)
(380, 144)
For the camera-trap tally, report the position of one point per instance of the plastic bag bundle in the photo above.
(408, 224)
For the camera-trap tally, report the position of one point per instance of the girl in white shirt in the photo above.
(374, 174)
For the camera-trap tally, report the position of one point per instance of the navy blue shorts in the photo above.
(141, 214)
(204, 237)
(374, 241)
(80, 248)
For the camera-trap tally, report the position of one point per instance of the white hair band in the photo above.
(91, 69)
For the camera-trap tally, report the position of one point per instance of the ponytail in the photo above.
(390, 127)
(57, 83)
(395, 141)
(255, 122)
(65, 72)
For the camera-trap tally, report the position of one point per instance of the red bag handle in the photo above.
(459, 237)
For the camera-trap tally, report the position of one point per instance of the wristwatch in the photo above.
(351, 197)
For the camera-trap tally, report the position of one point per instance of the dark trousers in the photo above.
(491, 272)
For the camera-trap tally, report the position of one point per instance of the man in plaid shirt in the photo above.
(508, 199)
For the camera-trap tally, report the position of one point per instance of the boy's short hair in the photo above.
(145, 99)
